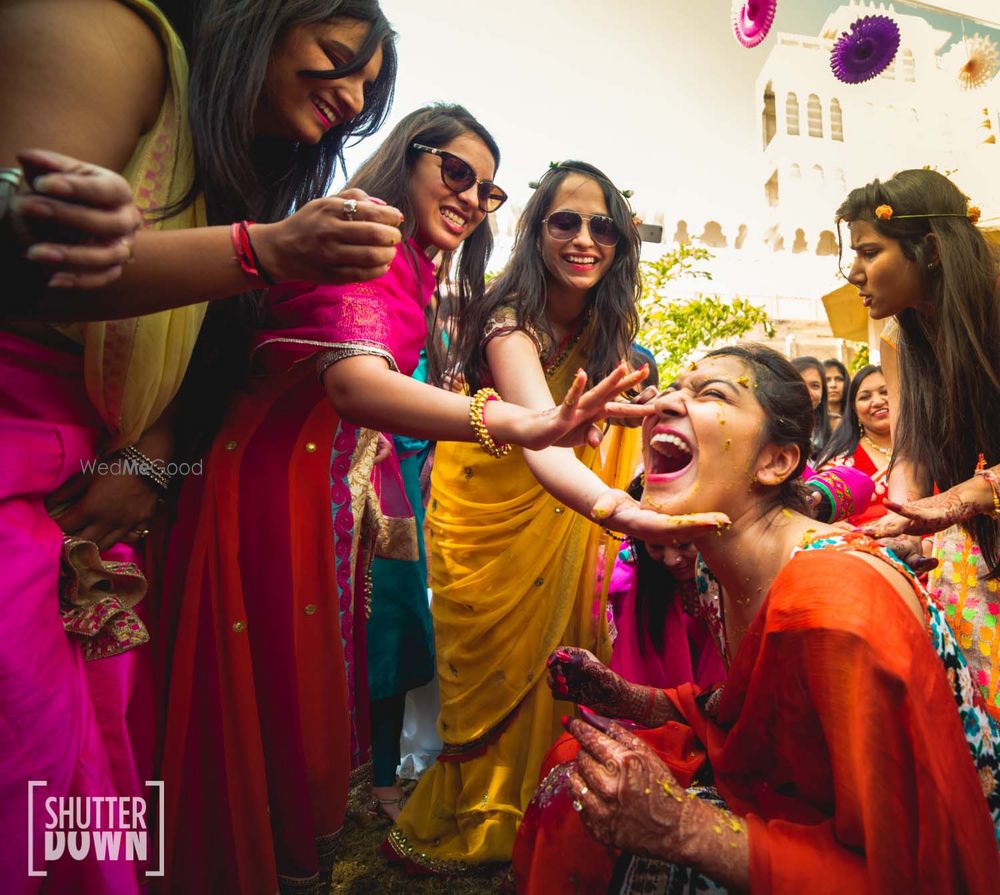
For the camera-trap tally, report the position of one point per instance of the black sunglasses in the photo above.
(458, 176)
(564, 225)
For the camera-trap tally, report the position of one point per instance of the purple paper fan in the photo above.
(866, 51)
(752, 19)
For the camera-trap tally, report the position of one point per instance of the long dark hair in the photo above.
(845, 439)
(949, 346)
(522, 284)
(229, 44)
(840, 368)
(821, 415)
(788, 412)
(387, 175)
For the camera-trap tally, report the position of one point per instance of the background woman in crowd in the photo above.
(837, 379)
(918, 257)
(776, 782)
(864, 441)
(512, 567)
(814, 375)
(107, 83)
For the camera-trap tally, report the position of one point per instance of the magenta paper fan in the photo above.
(865, 51)
(752, 20)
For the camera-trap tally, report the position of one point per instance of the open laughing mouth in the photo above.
(670, 455)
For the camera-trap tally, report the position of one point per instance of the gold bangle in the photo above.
(990, 477)
(477, 414)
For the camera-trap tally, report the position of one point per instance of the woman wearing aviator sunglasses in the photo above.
(511, 566)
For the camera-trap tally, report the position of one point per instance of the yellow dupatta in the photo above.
(134, 367)
(513, 574)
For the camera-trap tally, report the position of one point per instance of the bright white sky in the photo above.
(655, 92)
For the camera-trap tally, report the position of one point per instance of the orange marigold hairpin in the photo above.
(885, 213)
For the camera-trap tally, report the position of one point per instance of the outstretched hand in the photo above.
(922, 517)
(619, 511)
(573, 421)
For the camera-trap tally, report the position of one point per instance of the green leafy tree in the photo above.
(675, 328)
(861, 357)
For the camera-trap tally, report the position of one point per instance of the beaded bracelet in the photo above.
(246, 256)
(991, 477)
(477, 419)
(146, 468)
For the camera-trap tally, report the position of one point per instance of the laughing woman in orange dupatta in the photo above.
(833, 759)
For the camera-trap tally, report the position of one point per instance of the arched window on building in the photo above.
(771, 190)
(769, 119)
(836, 121)
(794, 172)
(909, 66)
(827, 243)
(792, 115)
(815, 113)
(816, 174)
(890, 71)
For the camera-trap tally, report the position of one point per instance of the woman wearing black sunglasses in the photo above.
(511, 566)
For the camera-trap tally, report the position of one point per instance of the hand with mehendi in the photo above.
(579, 676)
(930, 514)
(910, 550)
(629, 799)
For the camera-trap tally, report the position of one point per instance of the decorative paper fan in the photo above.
(865, 51)
(974, 60)
(752, 19)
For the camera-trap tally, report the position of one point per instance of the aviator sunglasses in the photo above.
(458, 176)
(563, 225)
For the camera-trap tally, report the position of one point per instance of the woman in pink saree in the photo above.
(267, 713)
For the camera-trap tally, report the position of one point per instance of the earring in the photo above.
(933, 265)
(861, 429)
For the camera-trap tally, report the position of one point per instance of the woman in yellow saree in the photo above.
(512, 567)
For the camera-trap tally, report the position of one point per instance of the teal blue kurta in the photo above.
(400, 632)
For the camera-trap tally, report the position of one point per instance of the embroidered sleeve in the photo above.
(358, 324)
(504, 320)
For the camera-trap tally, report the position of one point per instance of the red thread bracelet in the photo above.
(246, 257)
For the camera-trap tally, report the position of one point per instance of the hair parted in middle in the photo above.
(386, 174)
(845, 440)
(831, 363)
(821, 425)
(522, 285)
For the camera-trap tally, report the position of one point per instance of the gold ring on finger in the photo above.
(577, 805)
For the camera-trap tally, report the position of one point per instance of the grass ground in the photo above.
(361, 870)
